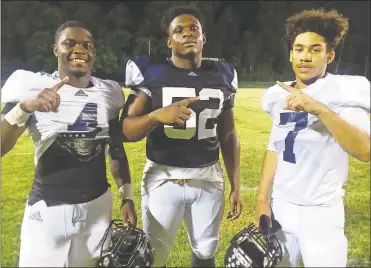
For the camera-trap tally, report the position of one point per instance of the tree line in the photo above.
(253, 40)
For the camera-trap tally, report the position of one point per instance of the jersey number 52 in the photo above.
(169, 93)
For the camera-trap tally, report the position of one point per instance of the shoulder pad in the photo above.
(224, 68)
(357, 91)
(20, 85)
(136, 68)
(273, 95)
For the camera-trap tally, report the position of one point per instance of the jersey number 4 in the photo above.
(87, 120)
(301, 122)
(203, 132)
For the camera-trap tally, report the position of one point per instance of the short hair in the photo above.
(68, 24)
(176, 11)
(329, 24)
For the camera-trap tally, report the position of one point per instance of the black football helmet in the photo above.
(123, 247)
(255, 246)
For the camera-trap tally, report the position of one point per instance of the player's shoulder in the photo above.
(222, 67)
(106, 83)
(216, 64)
(351, 84)
(139, 67)
(23, 75)
(273, 95)
(23, 84)
(111, 87)
(144, 62)
(358, 79)
(355, 90)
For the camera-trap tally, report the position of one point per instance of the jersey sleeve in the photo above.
(15, 88)
(230, 76)
(358, 93)
(118, 99)
(134, 78)
(272, 96)
(229, 102)
(358, 118)
(270, 146)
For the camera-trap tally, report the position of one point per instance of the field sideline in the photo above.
(253, 127)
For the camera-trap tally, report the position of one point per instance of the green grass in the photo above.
(253, 128)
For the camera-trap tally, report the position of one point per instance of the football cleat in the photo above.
(254, 247)
(123, 247)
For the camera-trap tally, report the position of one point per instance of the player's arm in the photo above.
(267, 173)
(137, 121)
(11, 131)
(120, 170)
(350, 129)
(230, 148)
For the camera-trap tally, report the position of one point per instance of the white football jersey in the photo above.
(81, 110)
(312, 167)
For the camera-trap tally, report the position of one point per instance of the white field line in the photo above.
(19, 153)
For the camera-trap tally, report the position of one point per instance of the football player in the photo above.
(184, 106)
(318, 121)
(71, 117)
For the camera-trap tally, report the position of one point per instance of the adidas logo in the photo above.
(81, 93)
(192, 74)
(36, 216)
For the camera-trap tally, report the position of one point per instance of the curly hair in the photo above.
(329, 24)
(176, 11)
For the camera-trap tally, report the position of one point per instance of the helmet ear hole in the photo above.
(250, 248)
(124, 247)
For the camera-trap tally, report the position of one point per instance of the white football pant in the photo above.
(200, 203)
(64, 235)
(314, 232)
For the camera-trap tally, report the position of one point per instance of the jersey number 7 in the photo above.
(301, 122)
(169, 93)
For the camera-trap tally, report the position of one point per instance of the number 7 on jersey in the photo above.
(301, 122)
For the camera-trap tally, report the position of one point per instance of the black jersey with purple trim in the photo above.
(196, 144)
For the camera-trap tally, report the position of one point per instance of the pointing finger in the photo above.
(58, 85)
(188, 101)
(288, 88)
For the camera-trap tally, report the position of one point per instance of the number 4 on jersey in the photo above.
(87, 120)
(301, 122)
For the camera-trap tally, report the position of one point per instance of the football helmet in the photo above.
(123, 247)
(255, 246)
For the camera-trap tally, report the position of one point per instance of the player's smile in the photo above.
(79, 62)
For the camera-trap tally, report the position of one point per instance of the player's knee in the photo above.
(206, 249)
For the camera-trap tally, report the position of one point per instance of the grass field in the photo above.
(253, 128)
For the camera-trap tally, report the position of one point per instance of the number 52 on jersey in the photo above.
(192, 128)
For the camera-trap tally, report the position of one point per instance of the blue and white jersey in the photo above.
(70, 145)
(312, 167)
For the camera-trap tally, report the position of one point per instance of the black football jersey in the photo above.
(196, 144)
